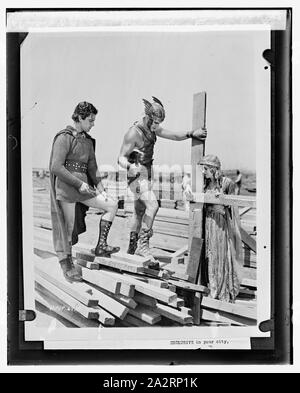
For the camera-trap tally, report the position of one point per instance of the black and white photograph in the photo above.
(146, 177)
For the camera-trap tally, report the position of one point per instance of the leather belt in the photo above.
(76, 166)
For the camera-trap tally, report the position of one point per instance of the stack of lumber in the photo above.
(117, 291)
(142, 291)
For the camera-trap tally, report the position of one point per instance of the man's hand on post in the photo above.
(199, 133)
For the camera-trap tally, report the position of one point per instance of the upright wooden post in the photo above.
(196, 215)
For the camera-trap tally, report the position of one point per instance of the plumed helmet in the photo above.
(154, 110)
(211, 160)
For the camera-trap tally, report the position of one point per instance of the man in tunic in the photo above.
(136, 156)
(74, 187)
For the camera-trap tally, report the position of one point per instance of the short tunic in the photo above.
(76, 147)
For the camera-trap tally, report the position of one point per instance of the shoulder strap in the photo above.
(146, 135)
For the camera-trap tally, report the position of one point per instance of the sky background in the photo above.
(115, 71)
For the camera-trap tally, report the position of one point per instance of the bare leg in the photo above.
(137, 217)
(138, 213)
(151, 204)
(110, 207)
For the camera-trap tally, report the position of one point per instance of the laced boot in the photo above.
(143, 248)
(103, 249)
(132, 243)
(69, 270)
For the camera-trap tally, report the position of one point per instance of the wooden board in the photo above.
(147, 289)
(120, 265)
(237, 200)
(174, 314)
(189, 286)
(87, 312)
(145, 300)
(145, 314)
(101, 280)
(222, 317)
(56, 307)
(248, 240)
(230, 308)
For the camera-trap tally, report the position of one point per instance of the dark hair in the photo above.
(83, 109)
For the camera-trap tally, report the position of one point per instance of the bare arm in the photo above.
(199, 133)
(129, 143)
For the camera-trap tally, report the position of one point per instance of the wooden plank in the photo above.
(105, 318)
(87, 312)
(238, 200)
(87, 264)
(189, 286)
(132, 259)
(230, 308)
(181, 251)
(124, 266)
(145, 288)
(112, 306)
(244, 210)
(152, 281)
(145, 314)
(56, 307)
(101, 280)
(145, 300)
(248, 240)
(186, 310)
(80, 291)
(219, 316)
(196, 215)
(246, 282)
(132, 321)
(173, 314)
(194, 257)
(125, 300)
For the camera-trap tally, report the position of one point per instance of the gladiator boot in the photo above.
(132, 243)
(143, 247)
(69, 270)
(103, 249)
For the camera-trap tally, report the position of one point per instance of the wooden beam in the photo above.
(101, 280)
(145, 314)
(189, 286)
(247, 239)
(145, 300)
(158, 293)
(174, 314)
(112, 306)
(196, 215)
(132, 321)
(57, 307)
(87, 264)
(132, 259)
(125, 300)
(87, 312)
(230, 308)
(222, 199)
(120, 265)
(222, 317)
(105, 318)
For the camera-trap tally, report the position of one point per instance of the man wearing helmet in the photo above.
(136, 156)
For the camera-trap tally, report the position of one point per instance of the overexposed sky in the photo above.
(116, 70)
